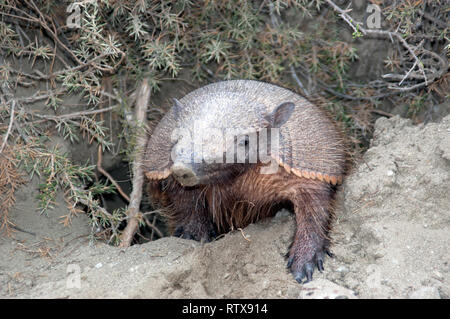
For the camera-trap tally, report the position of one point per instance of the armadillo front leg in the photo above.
(197, 227)
(184, 209)
(190, 217)
(313, 210)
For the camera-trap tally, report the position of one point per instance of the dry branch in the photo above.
(11, 120)
(427, 79)
(142, 101)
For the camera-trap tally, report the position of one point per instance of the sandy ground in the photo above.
(391, 240)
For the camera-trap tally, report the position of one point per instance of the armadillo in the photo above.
(233, 152)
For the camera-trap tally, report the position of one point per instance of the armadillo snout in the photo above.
(184, 174)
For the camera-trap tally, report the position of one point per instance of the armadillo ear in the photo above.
(280, 114)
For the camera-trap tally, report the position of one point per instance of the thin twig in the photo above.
(55, 38)
(56, 118)
(108, 176)
(243, 234)
(11, 120)
(84, 201)
(76, 68)
(297, 80)
(36, 97)
(106, 84)
(380, 112)
(408, 73)
(153, 227)
(440, 23)
(76, 114)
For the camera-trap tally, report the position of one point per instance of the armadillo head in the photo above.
(214, 140)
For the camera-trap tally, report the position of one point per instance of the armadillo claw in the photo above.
(306, 271)
(301, 271)
(290, 261)
(319, 260)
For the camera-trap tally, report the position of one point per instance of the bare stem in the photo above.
(11, 120)
(142, 100)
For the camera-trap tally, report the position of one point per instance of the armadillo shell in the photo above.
(310, 145)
